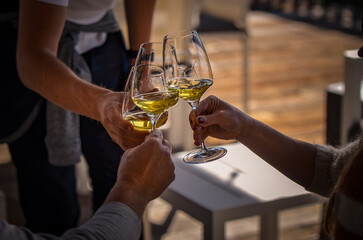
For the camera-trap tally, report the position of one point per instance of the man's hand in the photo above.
(144, 173)
(122, 132)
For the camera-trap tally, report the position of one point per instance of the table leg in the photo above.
(269, 226)
(214, 229)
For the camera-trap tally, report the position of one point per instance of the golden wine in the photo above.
(156, 102)
(142, 122)
(190, 89)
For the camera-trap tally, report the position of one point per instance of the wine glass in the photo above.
(192, 76)
(150, 93)
(135, 115)
(150, 53)
(154, 53)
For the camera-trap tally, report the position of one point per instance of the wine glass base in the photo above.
(199, 156)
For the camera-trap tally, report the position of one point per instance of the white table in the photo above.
(239, 185)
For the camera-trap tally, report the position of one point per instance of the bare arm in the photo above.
(292, 157)
(139, 20)
(40, 28)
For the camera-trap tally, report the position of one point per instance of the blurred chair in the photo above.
(351, 108)
(344, 102)
(235, 11)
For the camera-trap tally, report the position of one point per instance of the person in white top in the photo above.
(72, 54)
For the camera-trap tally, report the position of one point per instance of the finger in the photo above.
(132, 143)
(167, 145)
(127, 140)
(129, 135)
(198, 136)
(208, 120)
(129, 130)
(192, 119)
(156, 134)
(207, 106)
(126, 143)
(123, 124)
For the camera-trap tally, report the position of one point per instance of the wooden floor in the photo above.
(290, 65)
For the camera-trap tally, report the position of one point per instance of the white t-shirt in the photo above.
(84, 11)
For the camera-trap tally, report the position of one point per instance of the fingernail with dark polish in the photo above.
(201, 120)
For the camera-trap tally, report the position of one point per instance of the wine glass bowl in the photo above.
(135, 115)
(150, 93)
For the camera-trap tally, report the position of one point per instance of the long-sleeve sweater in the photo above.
(112, 221)
(329, 163)
(348, 199)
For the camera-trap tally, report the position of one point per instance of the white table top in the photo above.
(241, 177)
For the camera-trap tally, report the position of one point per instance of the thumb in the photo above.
(156, 134)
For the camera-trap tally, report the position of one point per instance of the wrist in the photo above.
(129, 197)
(105, 102)
(244, 127)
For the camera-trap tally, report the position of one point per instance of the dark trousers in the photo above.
(48, 193)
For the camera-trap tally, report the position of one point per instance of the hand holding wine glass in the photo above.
(192, 75)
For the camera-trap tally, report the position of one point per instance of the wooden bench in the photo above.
(239, 185)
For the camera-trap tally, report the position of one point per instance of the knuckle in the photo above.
(153, 142)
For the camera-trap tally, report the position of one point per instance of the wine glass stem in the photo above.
(153, 123)
(203, 148)
(194, 106)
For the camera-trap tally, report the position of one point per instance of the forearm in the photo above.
(129, 197)
(113, 220)
(292, 157)
(40, 28)
(139, 16)
(57, 83)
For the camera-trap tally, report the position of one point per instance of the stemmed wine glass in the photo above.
(150, 93)
(135, 115)
(192, 76)
(154, 53)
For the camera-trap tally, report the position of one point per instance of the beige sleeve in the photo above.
(329, 162)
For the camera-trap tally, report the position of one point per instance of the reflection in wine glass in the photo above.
(192, 76)
(135, 115)
(149, 92)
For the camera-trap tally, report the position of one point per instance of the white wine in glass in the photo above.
(135, 115)
(192, 76)
(149, 92)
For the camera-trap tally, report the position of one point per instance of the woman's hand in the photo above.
(216, 118)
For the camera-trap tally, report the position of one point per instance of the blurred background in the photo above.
(275, 60)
